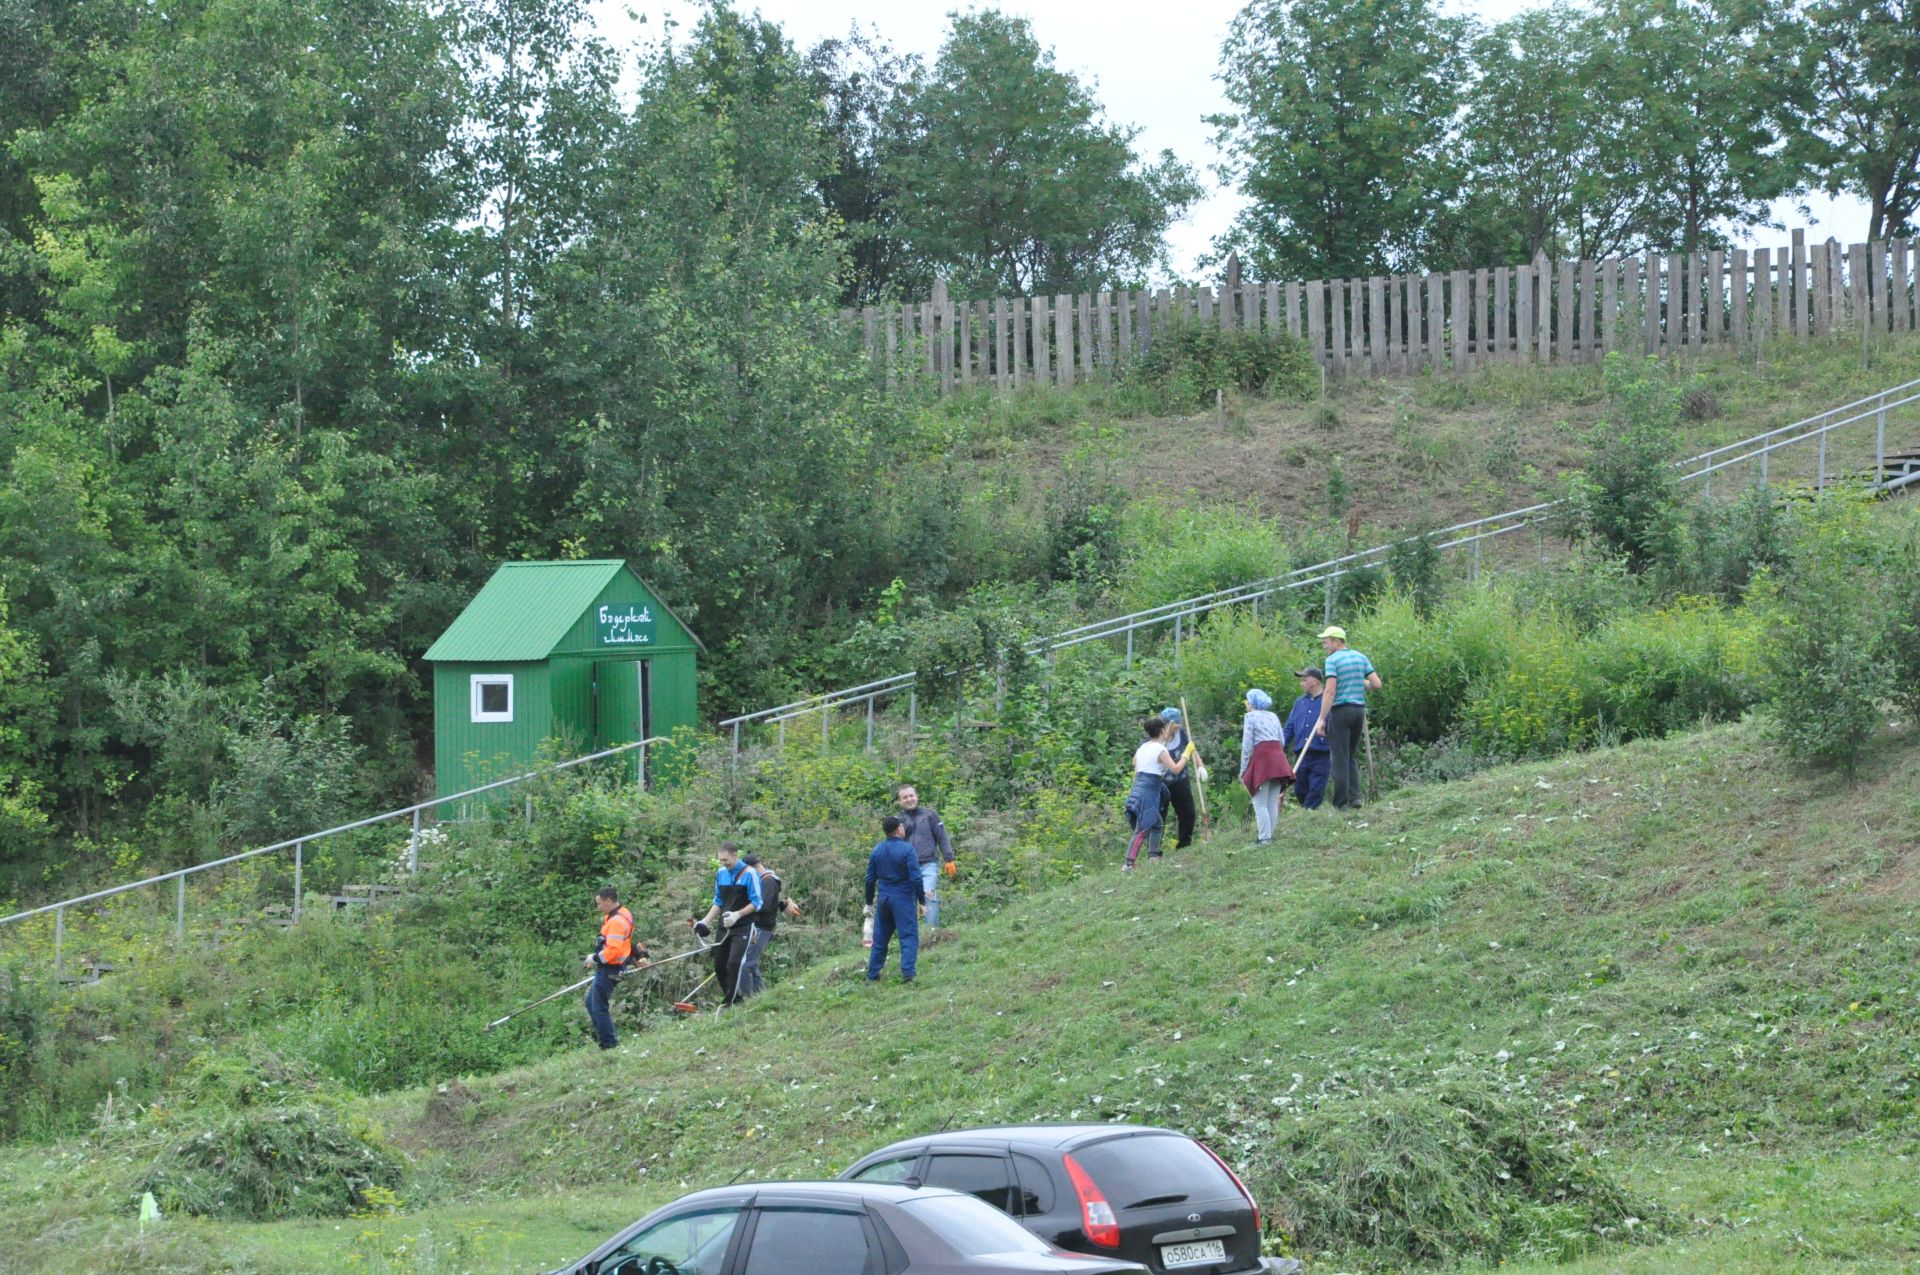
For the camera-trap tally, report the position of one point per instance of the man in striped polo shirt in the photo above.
(1343, 713)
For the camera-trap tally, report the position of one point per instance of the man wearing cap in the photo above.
(1343, 713)
(1179, 788)
(1310, 750)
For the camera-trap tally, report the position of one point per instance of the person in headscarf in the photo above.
(1152, 763)
(1180, 786)
(1263, 762)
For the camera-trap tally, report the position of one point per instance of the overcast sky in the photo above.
(1151, 63)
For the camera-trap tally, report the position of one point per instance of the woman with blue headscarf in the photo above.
(1152, 764)
(1263, 762)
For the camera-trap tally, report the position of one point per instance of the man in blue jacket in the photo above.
(736, 897)
(894, 897)
(1310, 775)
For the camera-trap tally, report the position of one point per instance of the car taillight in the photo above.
(1246, 1194)
(1096, 1215)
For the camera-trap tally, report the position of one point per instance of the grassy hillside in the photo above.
(1691, 958)
(1421, 450)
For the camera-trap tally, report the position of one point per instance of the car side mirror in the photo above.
(913, 1184)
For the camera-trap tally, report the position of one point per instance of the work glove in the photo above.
(1189, 751)
(953, 869)
(702, 928)
(1202, 772)
(728, 920)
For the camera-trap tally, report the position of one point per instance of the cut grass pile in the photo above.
(1672, 982)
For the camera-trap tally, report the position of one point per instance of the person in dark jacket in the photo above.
(736, 897)
(1310, 775)
(894, 898)
(613, 951)
(926, 832)
(1180, 786)
(772, 905)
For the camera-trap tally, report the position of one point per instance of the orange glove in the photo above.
(953, 869)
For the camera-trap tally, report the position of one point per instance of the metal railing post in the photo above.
(1329, 607)
(913, 714)
(413, 846)
(826, 724)
(869, 724)
(1880, 447)
(59, 939)
(1474, 574)
(1765, 451)
(1820, 484)
(1176, 641)
(736, 743)
(180, 910)
(1129, 646)
(299, 864)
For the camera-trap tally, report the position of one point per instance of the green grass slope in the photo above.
(1691, 958)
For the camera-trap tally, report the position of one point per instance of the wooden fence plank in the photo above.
(1124, 304)
(1292, 304)
(1083, 333)
(1651, 305)
(1203, 297)
(1043, 369)
(1542, 309)
(1338, 312)
(965, 348)
(1627, 311)
(1737, 287)
(1062, 328)
(1608, 330)
(1797, 290)
(1762, 315)
(1523, 313)
(1436, 312)
(1316, 298)
(1586, 348)
(1379, 334)
(1859, 287)
(1482, 318)
(1272, 324)
(1566, 311)
(1002, 344)
(1896, 267)
(1459, 311)
(1715, 298)
(1499, 334)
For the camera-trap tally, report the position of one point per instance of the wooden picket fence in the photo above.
(1563, 312)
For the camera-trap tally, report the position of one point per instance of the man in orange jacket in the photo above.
(614, 951)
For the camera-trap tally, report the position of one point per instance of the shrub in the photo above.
(1188, 361)
(1428, 667)
(1545, 699)
(1626, 497)
(1183, 552)
(1671, 669)
(262, 1165)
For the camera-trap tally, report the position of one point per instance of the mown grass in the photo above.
(1692, 957)
(1422, 450)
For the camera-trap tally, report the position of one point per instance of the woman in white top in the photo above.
(1152, 763)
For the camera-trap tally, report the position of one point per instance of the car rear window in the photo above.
(1154, 1168)
(972, 1228)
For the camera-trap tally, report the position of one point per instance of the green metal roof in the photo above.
(524, 611)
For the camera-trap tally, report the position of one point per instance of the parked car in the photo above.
(832, 1228)
(1152, 1196)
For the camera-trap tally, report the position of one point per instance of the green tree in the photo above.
(1626, 498)
(863, 83)
(1547, 170)
(1696, 85)
(1341, 136)
(1007, 179)
(1858, 114)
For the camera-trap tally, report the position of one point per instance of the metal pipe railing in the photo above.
(297, 844)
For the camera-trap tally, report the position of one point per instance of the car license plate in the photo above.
(1172, 1255)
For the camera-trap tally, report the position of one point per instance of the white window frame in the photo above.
(480, 680)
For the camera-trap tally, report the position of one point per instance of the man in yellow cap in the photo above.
(1343, 712)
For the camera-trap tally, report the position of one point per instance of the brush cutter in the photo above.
(1199, 767)
(687, 1006)
(574, 987)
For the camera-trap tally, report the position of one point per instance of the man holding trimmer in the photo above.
(736, 897)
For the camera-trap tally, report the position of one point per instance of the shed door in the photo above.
(623, 710)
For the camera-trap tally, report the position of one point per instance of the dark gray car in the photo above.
(1152, 1196)
(832, 1228)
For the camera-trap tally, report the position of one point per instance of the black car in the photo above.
(1152, 1196)
(831, 1228)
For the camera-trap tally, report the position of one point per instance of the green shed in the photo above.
(584, 653)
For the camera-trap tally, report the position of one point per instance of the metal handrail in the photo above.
(1332, 568)
(294, 842)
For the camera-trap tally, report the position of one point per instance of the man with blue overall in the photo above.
(894, 898)
(736, 897)
(1310, 771)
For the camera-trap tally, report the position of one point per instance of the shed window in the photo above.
(493, 697)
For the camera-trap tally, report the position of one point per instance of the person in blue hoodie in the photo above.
(894, 898)
(1310, 776)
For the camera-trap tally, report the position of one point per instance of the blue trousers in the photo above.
(604, 977)
(1310, 780)
(895, 914)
